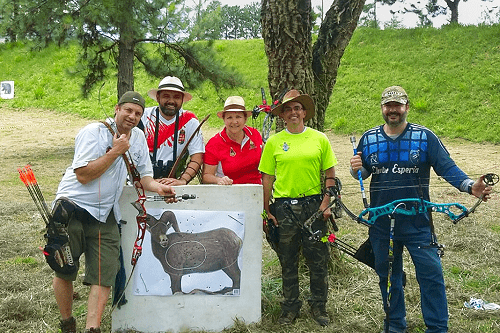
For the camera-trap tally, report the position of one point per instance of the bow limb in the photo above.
(489, 179)
(468, 211)
(357, 218)
(141, 217)
(334, 192)
(141, 223)
(179, 158)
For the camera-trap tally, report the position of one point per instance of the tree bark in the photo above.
(453, 5)
(286, 29)
(126, 45)
(125, 80)
(334, 35)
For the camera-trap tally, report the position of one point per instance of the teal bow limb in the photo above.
(412, 206)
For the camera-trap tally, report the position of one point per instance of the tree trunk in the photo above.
(126, 45)
(125, 80)
(286, 29)
(453, 5)
(334, 35)
(11, 31)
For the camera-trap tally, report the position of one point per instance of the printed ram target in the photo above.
(200, 251)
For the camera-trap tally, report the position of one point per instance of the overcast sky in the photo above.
(469, 12)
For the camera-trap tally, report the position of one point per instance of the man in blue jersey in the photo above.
(399, 155)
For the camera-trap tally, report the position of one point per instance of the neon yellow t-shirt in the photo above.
(296, 161)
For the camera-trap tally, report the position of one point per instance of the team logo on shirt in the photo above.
(414, 156)
(373, 159)
(252, 145)
(232, 153)
(285, 146)
(182, 136)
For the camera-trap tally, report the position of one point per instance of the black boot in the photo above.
(320, 315)
(93, 330)
(68, 325)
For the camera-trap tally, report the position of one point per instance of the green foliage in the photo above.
(449, 73)
(225, 22)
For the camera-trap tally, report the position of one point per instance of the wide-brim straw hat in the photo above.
(171, 83)
(294, 95)
(234, 104)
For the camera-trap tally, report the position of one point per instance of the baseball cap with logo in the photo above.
(394, 94)
(132, 97)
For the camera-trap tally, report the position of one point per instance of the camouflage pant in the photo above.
(291, 215)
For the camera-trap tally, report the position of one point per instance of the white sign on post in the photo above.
(7, 89)
(215, 238)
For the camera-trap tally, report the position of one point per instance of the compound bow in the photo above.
(418, 206)
(269, 118)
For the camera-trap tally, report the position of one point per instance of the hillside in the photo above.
(451, 75)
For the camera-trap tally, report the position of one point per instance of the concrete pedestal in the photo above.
(197, 312)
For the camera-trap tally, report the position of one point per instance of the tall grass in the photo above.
(451, 75)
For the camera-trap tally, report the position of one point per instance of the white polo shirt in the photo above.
(99, 196)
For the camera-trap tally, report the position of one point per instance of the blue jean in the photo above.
(429, 274)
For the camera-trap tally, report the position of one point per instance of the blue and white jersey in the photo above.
(400, 168)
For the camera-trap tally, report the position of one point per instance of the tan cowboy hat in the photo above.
(234, 103)
(295, 96)
(171, 83)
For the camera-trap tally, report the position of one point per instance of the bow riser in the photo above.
(418, 206)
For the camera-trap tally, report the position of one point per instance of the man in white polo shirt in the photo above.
(92, 187)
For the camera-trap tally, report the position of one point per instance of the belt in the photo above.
(300, 200)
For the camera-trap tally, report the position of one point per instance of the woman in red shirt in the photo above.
(232, 156)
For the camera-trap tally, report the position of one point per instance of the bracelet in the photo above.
(469, 188)
(195, 162)
(189, 167)
(264, 215)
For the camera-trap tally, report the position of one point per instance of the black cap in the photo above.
(132, 97)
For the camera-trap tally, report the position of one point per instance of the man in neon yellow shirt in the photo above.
(291, 166)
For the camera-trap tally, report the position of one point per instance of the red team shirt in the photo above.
(238, 162)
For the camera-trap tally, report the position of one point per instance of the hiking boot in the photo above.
(68, 325)
(320, 315)
(93, 330)
(288, 317)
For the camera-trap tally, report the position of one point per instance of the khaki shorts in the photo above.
(100, 242)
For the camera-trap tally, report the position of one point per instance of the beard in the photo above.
(169, 110)
(396, 123)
